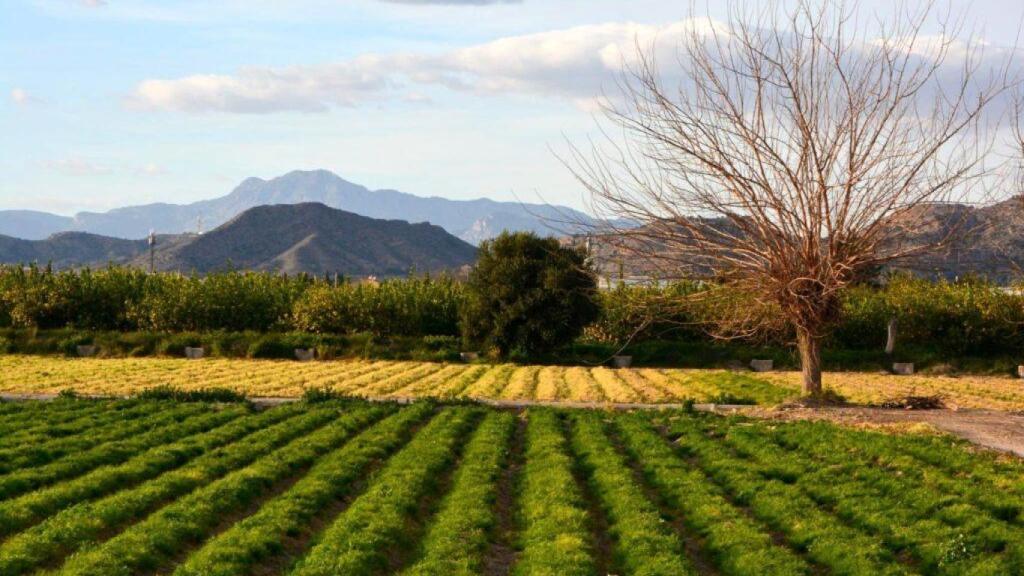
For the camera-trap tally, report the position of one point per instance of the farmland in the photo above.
(265, 378)
(346, 487)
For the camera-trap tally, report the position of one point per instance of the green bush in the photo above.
(410, 307)
(968, 317)
(528, 296)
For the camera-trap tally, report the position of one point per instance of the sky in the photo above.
(107, 103)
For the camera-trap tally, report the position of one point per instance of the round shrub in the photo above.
(528, 296)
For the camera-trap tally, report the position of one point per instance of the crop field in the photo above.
(354, 488)
(262, 378)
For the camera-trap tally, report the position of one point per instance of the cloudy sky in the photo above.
(114, 102)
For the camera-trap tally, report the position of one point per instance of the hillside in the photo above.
(317, 239)
(310, 238)
(471, 220)
(70, 250)
(986, 241)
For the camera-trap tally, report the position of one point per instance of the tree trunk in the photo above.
(890, 342)
(810, 361)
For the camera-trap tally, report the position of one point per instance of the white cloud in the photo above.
(151, 169)
(574, 63)
(93, 3)
(76, 166)
(21, 97)
(580, 65)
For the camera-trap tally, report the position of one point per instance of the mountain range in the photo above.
(284, 238)
(470, 220)
(986, 241)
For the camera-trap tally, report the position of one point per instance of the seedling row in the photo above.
(343, 486)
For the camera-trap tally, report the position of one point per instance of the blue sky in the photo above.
(116, 102)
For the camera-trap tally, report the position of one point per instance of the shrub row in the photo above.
(966, 317)
(127, 299)
(143, 314)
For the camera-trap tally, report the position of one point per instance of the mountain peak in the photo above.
(458, 217)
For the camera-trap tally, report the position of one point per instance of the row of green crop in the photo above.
(118, 424)
(681, 494)
(254, 540)
(131, 497)
(360, 539)
(144, 546)
(110, 456)
(947, 524)
(856, 510)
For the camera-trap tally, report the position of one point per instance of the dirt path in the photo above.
(998, 430)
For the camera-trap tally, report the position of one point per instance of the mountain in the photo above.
(317, 239)
(986, 241)
(32, 225)
(286, 238)
(471, 220)
(70, 250)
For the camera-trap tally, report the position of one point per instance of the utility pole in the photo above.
(152, 251)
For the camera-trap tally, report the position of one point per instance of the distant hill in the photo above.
(70, 250)
(471, 220)
(317, 239)
(310, 238)
(986, 241)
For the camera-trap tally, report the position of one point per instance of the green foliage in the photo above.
(643, 543)
(257, 537)
(968, 317)
(126, 299)
(356, 542)
(646, 312)
(417, 306)
(556, 535)
(196, 514)
(528, 296)
(230, 301)
(458, 538)
(365, 488)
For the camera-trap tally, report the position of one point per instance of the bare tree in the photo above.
(796, 153)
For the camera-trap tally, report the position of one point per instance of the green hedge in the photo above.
(141, 314)
(126, 299)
